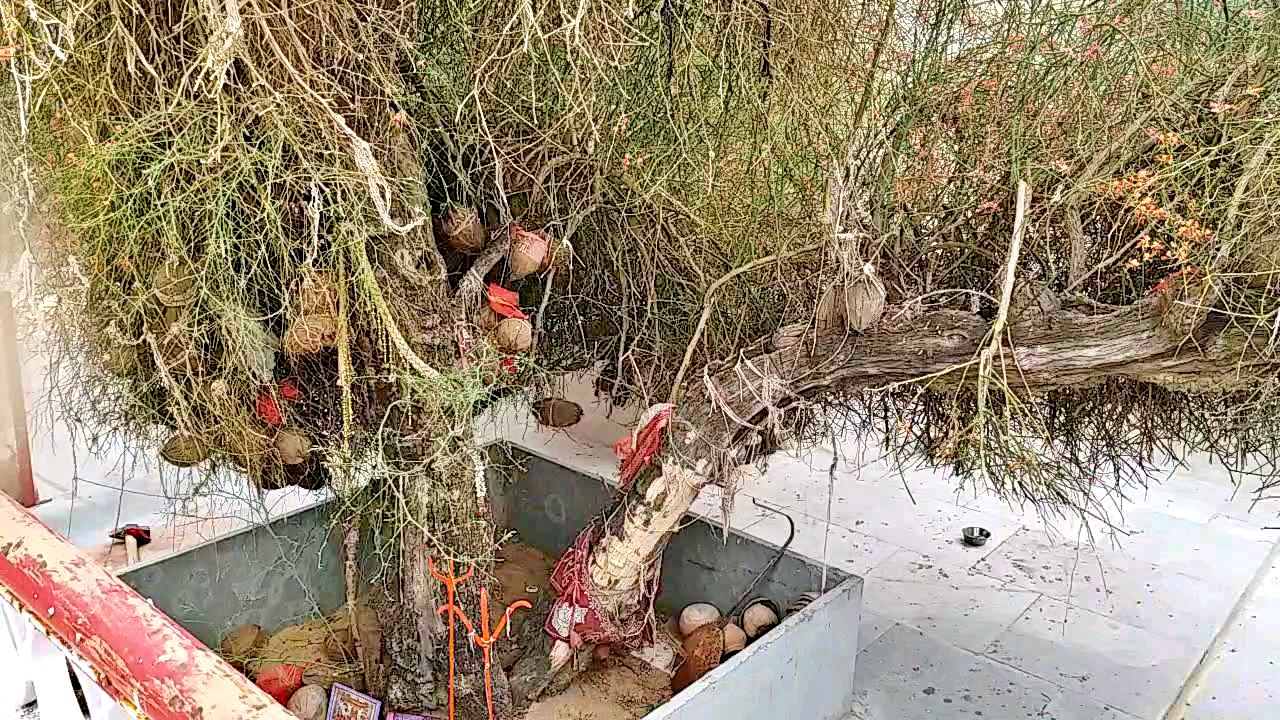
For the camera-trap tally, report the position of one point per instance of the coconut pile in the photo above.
(708, 637)
(298, 664)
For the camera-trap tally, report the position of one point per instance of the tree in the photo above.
(1033, 243)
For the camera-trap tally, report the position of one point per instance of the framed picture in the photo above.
(393, 715)
(347, 704)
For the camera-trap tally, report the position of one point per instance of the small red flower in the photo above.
(269, 410)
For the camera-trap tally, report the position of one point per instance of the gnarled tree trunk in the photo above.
(724, 417)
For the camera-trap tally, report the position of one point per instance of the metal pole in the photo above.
(11, 379)
(140, 656)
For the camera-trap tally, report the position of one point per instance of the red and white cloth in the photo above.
(576, 616)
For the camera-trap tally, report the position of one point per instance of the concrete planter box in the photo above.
(290, 569)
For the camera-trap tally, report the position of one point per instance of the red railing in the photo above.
(140, 656)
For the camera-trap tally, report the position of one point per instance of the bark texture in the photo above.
(728, 411)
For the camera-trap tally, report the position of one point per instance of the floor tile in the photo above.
(1073, 706)
(1219, 553)
(1119, 665)
(962, 608)
(907, 675)
(873, 625)
(849, 550)
(1240, 680)
(1150, 596)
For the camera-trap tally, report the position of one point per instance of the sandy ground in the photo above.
(622, 689)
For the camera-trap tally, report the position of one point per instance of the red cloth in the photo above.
(290, 390)
(281, 682)
(576, 616)
(504, 302)
(634, 456)
(269, 409)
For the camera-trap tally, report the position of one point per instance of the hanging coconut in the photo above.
(245, 444)
(294, 448)
(309, 334)
(864, 299)
(184, 450)
(530, 252)
(855, 303)
(514, 335)
(462, 230)
(174, 284)
(557, 412)
(317, 293)
(487, 319)
(220, 392)
(175, 349)
(120, 360)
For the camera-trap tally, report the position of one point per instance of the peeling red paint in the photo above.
(139, 655)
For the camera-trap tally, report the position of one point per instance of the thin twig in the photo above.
(1006, 296)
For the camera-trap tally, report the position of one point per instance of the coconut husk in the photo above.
(184, 449)
(513, 335)
(310, 702)
(462, 230)
(309, 334)
(341, 644)
(294, 448)
(557, 412)
(703, 649)
(241, 645)
(317, 293)
(174, 285)
(329, 672)
(735, 638)
(303, 645)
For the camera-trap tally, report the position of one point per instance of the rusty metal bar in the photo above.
(11, 379)
(140, 656)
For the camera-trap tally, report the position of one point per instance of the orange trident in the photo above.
(451, 583)
(484, 639)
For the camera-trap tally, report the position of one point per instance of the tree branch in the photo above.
(1063, 349)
